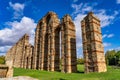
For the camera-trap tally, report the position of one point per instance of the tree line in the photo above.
(2, 59)
(113, 57)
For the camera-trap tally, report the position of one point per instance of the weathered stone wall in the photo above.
(47, 44)
(46, 51)
(10, 68)
(92, 44)
(3, 71)
(6, 70)
(21, 53)
(68, 45)
(55, 40)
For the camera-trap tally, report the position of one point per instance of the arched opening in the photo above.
(27, 63)
(31, 63)
(48, 19)
(39, 47)
(45, 52)
(57, 49)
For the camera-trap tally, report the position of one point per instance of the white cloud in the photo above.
(81, 10)
(107, 35)
(110, 35)
(106, 44)
(100, 13)
(77, 23)
(1, 54)
(3, 49)
(118, 1)
(105, 18)
(9, 36)
(18, 9)
(17, 6)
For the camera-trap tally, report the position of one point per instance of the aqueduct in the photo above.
(55, 46)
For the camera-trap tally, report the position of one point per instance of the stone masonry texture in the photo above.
(55, 46)
(93, 50)
(21, 53)
(50, 36)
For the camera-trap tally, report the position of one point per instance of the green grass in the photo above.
(111, 74)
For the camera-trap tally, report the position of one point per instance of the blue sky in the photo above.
(18, 17)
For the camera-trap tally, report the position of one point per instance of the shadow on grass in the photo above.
(59, 79)
(62, 79)
(82, 72)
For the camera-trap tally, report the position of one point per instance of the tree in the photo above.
(2, 59)
(80, 61)
(110, 57)
(117, 58)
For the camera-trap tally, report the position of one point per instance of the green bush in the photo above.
(113, 57)
(2, 59)
(80, 61)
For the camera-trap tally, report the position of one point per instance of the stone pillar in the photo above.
(67, 50)
(9, 63)
(92, 44)
(39, 47)
(35, 48)
(55, 42)
(69, 64)
(42, 43)
(52, 61)
(56, 49)
(49, 52)
(63, 56)
(24, 42)
(42, 53)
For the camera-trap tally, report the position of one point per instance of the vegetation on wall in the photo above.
(2, 59)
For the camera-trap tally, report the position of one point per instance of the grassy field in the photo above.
(111, 74)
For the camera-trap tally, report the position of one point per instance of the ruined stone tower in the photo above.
(94, 59)
(21, 53)
(68, 45)
(47, 44)
(46, 51)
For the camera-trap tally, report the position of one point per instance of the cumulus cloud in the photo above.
(106, 44)
(118, 1)
(3, 49)
(81, 10)
(18, 9)
(105, 18)
(107, 35)
(110, 35)
(9, 36)
(77, 20)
